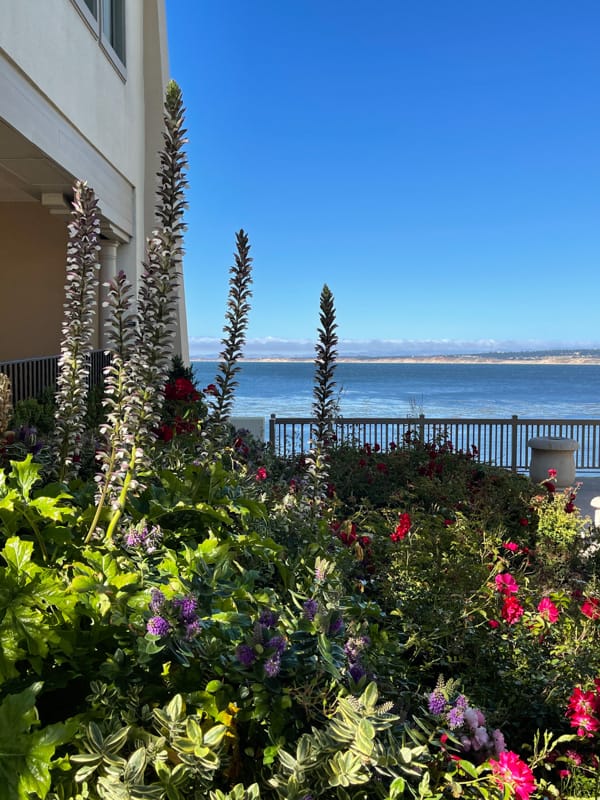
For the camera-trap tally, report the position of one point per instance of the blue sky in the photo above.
(437, 164)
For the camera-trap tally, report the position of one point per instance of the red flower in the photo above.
(381, 467)
(552, 473)
(512, 546)
(493, 623)
(512, 610)
(261, 474)
(524, 522)
(548, 610)
(513, 773)
(591, 608)
(210, 389)
(402, 528)
(377, 448)
(166, 432)
(392, 445)
(549, 486)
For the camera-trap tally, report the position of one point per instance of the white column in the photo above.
(108, 271)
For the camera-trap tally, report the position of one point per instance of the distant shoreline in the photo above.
(567, 360)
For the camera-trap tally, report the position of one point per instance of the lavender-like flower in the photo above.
(268, 618)
(158, 626)
(310, 608)
(335, 626)
(157, 601)
(245, 655)
(187, 608)
(436, 703)
(144, 538)
(455, 718)
(277, 643)
(272, 665)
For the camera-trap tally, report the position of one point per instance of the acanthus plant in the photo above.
(236, 324)
(77, 330)
(142, 346)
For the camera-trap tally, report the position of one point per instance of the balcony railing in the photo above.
(30, 377)
(501, 442)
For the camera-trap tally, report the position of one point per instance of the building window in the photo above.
(106, 19)
(113, 26)
(93, 7)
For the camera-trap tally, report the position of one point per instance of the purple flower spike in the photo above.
(245, 655)
(158, 626)
(272, 666)
(310, 609)
(157, 601)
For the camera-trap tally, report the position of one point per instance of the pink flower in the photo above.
(512, 610)
(584, 711)
(591, 608)
(552, 473)
(261, 474)
(512, 546)
(493, 623)
(506, 584)
(402, 528)
(548, 610)
(513, 773)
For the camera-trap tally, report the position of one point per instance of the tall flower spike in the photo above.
(325, 404)
(77, 330)
(139, 377)
(5, 402)
(236, 324)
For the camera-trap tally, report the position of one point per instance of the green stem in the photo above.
(37, 532)
(102, 499)
(122, 497)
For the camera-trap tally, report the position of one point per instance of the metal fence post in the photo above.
(513, 443)
(272, 431)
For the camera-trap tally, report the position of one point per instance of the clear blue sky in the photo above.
(436, 163)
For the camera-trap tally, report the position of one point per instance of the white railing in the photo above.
(501, 442)
(30, 377)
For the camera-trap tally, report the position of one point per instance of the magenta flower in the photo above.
(506, 584)
(513, 773)
(548, 610)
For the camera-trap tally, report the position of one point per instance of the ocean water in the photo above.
(436, 390)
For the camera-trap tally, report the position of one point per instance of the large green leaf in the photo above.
(25, 756)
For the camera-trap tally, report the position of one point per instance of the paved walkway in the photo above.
(589, 489)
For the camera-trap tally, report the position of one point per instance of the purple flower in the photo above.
(187, 608)
(461, 702)
(191, 629)
(455, 718)
(357, 671)
(272, 665)
(310, 609)
(436, 702)
(157, 600)
(143, 537)
(158, 626)
(268, 618)
(335, 626)
(245, 655)
(278, 643)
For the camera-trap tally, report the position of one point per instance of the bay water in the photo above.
(378, 389)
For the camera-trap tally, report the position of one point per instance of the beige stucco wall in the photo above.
(32, 268)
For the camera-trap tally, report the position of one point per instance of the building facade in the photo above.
(81, 97)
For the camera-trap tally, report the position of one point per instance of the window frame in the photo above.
(95, 23)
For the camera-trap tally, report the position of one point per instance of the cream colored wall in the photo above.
(32, 265)
(52, 44)
(66, 96)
